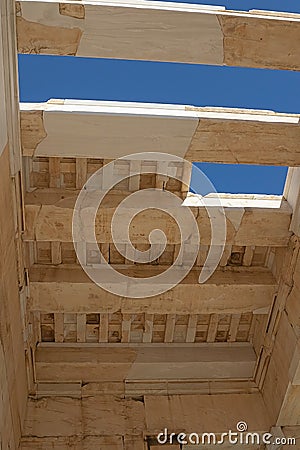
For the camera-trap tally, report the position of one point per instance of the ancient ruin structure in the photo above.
(84, 368)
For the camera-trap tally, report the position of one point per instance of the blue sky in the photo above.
(241, 178)
(44, 77)
(246, 5)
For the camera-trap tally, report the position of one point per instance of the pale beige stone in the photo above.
(37, 38)
(68, 9)
(245, 142)
(53, 222)
(32, 131)
(135, 31)
(13, 383)
(63, 290)
(136, 364)
(215, 413)
(116, 129)
(91, 416)
(115, 386)
(190, 33)
(256, 42)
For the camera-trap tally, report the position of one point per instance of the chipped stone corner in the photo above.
(38, 38)
(32, 131)
(18, 9)
(72, 10)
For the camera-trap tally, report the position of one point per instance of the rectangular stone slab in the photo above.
(109, 130)
(159, 31)
(149, 362)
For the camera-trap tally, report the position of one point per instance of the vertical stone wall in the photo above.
(13, 384)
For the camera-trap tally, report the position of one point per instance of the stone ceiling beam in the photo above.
(109, 130)
(49, 218)
(147, 363)
(160, 31)
(57, 289)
